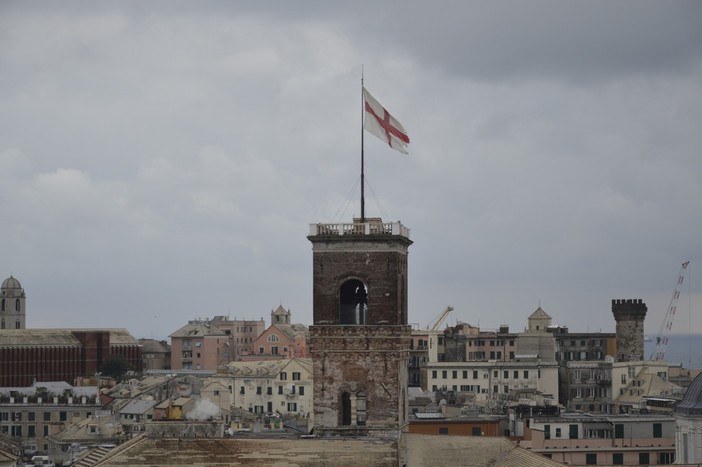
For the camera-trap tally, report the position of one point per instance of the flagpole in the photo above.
(363, 199)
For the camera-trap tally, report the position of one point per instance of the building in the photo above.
(466, 343)
(360, 338)
(688, 425)
(199, 346)
(281, 339)
(494, 381)
(635, 383)
(242, 332)
(31, 414)
(582, 439)
(28, 355)
(629, 315)
(587, 386)
(12, 305)
(156, 354)
(284, 387)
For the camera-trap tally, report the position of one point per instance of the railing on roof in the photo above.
(360, 228)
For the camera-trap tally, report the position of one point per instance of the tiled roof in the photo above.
(198, 330)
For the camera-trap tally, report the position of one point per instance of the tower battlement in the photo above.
(629, 314)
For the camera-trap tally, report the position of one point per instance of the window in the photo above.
(475, 374)
(454, 374)
(274, 350)
(273, 338)
(618, 458)
(31, 416)
(506, 374)
(666, 458)
(475, 431)
(443, 430)
(31, 433)
(547, 431)
(618, 430)
(644, 458)
(292, 406)
(361, 408)
(260, 350)
(283, 376)
(269, 391)
(258, 390)
(433, 374)
(526, 374)
(657, 430)
(301, 390)
(62, 416)
(280, 389)
(558, 432)
(444, 374)
(296, 376)
(516, 374)
(591, 458)
(242, 390)
(353, 302)
(573, 431)
(465, 374)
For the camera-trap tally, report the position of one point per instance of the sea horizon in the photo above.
(685, 349)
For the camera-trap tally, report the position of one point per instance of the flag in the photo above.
(379, 122)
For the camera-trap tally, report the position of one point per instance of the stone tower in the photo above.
(629, 315)
(12, 305)
(360, 338)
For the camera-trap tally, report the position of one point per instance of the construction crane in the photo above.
(662, 337)
(440, 319)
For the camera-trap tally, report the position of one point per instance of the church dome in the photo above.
(692, 402)
(10, 283)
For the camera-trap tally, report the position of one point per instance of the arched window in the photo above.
(353, 302)
(273, 338)
(17, 324)
(361, 408)
(346, 408)
(17, 305)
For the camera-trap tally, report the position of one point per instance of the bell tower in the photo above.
(360, 338)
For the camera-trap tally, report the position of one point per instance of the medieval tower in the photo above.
(629, 315)
(12, 305)
(360, 338)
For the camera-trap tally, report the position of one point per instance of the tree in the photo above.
(114, 366)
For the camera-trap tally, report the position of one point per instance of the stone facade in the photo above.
(360, 339)
(629, 315)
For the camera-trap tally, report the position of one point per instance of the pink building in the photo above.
(281, 340)
(199, 346)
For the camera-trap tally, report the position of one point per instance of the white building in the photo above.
(270, 386)
(688, 425)
(495, 379)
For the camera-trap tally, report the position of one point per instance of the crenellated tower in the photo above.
(629, 315)
(360, 338)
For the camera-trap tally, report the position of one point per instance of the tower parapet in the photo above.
(629, 315)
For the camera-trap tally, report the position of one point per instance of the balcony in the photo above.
(361, 228)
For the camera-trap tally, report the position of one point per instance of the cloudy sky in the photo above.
(162, 161)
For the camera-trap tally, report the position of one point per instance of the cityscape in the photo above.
(318, 234)
(222, 388)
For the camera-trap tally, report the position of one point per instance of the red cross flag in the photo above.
(379, 122)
